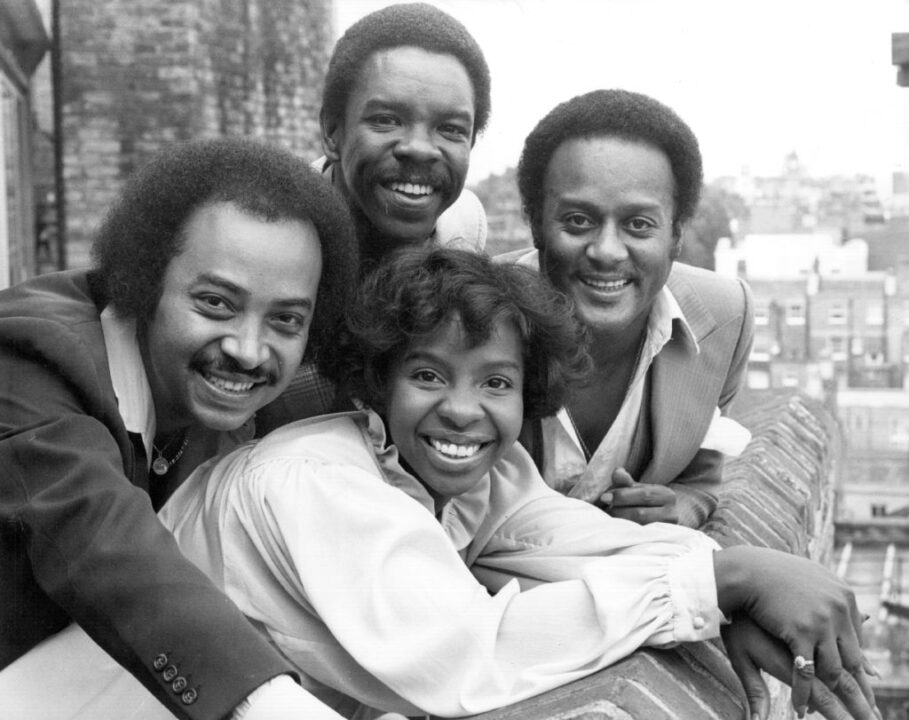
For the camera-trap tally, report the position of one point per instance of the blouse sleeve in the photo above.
(361, 588)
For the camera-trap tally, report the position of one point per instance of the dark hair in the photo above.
(416, 290)
(412, 25)
(143, 231)
(612, 113)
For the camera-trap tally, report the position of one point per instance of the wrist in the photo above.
(732, 569)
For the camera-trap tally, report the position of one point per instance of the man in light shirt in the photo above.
(406, 95)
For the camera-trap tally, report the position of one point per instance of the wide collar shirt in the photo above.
(566, 467)
(127, 374)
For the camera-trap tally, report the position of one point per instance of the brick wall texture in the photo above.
(140, 74)
(778, 494)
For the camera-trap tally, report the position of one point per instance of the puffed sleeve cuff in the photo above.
(281, 698)
(693, 590)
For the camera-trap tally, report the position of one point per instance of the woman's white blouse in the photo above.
(323, 540)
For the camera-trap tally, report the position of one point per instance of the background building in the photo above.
(23, 43)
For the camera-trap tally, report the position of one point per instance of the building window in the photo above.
(837, 348)
(836, 315)
(874, 313)
(795, 312)
(761, 314)
(16, 251)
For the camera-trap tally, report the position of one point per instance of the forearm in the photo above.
(95, 547)
(405, 608)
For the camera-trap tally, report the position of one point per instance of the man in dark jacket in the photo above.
(116, 382)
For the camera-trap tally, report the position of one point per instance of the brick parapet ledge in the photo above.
(779, 494)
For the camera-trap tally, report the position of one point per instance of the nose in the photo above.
(246, 345)
(418, 145)
(461, 407)
(608, 245)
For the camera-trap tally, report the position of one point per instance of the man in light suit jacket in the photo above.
(608, 181)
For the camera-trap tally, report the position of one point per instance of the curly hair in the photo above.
(416, 290)
(143, 230)
(414, 25)
(612, 113)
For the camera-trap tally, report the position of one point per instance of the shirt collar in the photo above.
(127, 374)
(665, 313)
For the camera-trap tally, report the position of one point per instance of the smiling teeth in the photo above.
(229, 385)
(454, 450)
(411, 188)
(606, 284)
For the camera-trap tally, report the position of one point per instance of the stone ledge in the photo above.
(778, 494)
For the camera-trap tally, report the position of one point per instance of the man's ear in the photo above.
(331, 129)
(679, 233)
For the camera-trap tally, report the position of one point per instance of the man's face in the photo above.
(605, 233)
(231, 326)
(402, 150)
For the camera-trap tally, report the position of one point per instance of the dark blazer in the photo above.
(79, 539)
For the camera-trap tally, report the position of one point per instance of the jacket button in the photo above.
(160, 662)
(189, 697)
(170, 672)
(179, 685)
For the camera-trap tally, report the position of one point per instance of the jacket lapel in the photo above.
(688, 379)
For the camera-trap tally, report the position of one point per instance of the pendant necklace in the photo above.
(161, 465)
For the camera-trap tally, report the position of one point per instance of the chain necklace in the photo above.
(161, 465)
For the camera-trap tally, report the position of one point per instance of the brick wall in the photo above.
(778, 494)
(139, 74)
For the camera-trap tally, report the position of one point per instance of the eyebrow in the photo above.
(403, 108)
(592, 206)
(218, 281)
(423, 355)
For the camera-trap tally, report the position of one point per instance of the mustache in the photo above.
(220, 363)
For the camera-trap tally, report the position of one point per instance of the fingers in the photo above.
(801, 678)
(849, 689)
(643, 503)
(753, 682)
(621, 478)
(842, 672)
(825, 703)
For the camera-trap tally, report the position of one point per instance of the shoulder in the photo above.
(463, 224)
(333, 440)
(64, 297)
(698, 290)
(54, 318)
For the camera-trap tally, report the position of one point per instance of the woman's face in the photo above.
(454, 410)
(606, 233)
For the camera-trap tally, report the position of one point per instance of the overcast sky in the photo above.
(755, 79)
